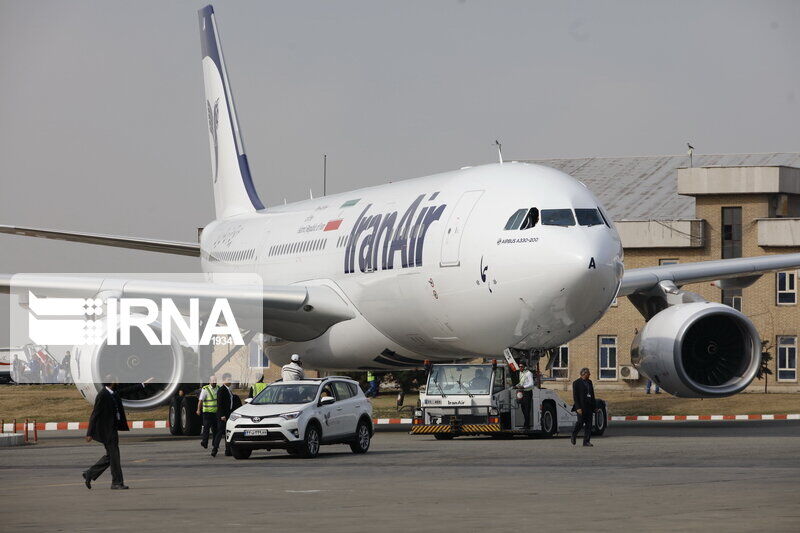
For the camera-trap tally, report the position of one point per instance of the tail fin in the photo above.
(234, 192)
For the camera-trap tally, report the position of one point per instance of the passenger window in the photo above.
(558, 217)
(343, 392)
(326, 391)
(353, 389)
(588, 217)
(531, 219)
(516, 219)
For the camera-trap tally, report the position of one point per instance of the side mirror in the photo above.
(327, 400)
(248, 400)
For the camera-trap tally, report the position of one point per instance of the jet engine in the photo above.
(166, 366)
(698, 350)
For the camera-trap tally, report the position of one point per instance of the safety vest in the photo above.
(258, 387)
(370, 376)
(210, 401)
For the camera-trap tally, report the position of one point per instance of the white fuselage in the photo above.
(429, 269)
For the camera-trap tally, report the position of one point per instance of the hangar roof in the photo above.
(645, 188)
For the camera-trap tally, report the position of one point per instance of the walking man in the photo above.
(526, 385)
(207, 402)
(584, 405)
(227, 402)
(108, 418)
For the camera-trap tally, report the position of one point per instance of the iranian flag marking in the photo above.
(333, 225)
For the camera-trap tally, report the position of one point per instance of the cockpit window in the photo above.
(558, 217)
(531, 218)
(588, 217)
(603, 217)
(523, 219)
(516, 219)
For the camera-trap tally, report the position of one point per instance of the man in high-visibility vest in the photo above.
(372, 381)
(257, 387)
(207, 404)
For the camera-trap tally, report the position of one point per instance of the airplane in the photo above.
(451, 266)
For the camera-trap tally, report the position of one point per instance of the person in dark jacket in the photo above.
(107, 419)
(227, 402)
(584, 405)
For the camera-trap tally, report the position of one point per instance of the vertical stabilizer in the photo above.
(234, 192)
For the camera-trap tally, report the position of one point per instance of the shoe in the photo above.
(213, 453)
(121, 486)
(228, 453)
(204, 445)
(572, 439)
(87, 480)
(648, 392)
(589, 444)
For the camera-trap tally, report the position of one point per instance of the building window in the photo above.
(787, 288)
(787, 358)
(731, 232)
(560, 367)
(732, 298)
(258, 357)
(662, 262)
(607, 355)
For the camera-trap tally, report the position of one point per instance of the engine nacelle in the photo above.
(133, 364)
(698, 350)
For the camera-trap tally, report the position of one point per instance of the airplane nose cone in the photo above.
(592, 272)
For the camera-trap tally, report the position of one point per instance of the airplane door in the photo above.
(451, 243)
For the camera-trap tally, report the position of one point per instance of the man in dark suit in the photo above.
(227, 402)
(108, 418)
(584, 405)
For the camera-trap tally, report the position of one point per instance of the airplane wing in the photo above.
(749, 268)
(135, 243)
(293, 312)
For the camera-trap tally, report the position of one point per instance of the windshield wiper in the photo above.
(440, 388)
(463, 387)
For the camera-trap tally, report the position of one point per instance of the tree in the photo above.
(763, 368)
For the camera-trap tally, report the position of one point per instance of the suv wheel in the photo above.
(362, 439)
(310, 447)
(240, 452)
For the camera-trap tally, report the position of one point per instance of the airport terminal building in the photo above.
(666, 211)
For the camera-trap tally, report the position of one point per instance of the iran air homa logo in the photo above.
(213, 124)
(92, 321)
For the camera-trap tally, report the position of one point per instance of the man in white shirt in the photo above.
(294, 370)
(525, 384)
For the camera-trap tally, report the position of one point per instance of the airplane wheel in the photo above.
(175, 418)
(191, 423)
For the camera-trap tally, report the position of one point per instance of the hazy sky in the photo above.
(103, 127)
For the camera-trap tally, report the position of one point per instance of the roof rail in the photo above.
(339, 377)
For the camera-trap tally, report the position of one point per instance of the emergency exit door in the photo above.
(451, 242)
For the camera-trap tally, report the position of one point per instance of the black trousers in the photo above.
(220, 435)
(209, 423)
(527, 404)
(111, 458)
(585, 420)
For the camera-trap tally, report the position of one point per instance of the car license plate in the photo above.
(256, 432)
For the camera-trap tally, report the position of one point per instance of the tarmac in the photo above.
(687, 476)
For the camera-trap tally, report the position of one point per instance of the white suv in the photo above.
(299, 416)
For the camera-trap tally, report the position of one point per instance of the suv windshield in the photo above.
(459, 380)
(286, 394)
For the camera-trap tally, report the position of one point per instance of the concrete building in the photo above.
(725, 206)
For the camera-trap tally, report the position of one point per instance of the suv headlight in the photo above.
(235, 416)
(290, 416)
